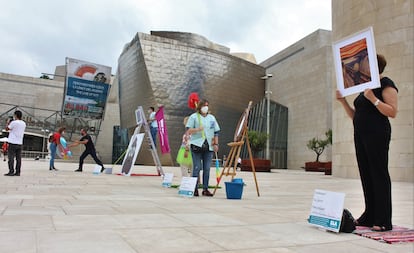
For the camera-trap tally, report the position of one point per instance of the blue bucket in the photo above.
(238, 180)
(234, 189)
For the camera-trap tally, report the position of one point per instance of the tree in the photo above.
(44, 76)
(318, 145)
(257, 141)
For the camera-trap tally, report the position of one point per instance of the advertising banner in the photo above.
(162, 131)
(86, 89)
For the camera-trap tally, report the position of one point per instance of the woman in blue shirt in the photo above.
(204, 131)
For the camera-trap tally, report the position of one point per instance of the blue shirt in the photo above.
(211, 129)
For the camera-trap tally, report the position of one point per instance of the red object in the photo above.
(56, 138)
(85, 69)
(193, 100)
(5, 147)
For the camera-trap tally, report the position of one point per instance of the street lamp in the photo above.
(45, 131)
(267, 94)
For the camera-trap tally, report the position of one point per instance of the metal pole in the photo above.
(267, 120)
(45, 131)
(43, 144)
(267, 94)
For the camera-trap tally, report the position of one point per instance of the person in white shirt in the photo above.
(16, 129)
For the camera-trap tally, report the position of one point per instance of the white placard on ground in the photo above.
(97, 169)
(327, 208)
(187, 186)
(167, 180)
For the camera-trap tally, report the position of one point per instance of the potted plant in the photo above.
(257, 142)
(318, 146)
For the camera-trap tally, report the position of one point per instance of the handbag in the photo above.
(203, 148)
(182, 159)
(347, 222)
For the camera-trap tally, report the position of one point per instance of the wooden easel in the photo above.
(230, 165)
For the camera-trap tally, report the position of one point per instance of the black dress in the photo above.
(372, 134)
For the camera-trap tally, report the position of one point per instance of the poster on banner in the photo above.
(138, 117)
(86, 89)
(167, 180)
(187, 186)
(356, 63)
(132, 153)
(326, 210)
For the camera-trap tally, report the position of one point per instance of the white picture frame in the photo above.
(138, 116)
(356, 65)
(132, 153)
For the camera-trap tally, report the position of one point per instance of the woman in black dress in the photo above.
(372, 134)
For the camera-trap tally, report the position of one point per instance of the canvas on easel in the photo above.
(240, 136)
(132, 153)
(137, 141)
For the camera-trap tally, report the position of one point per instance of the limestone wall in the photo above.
(41, 98)
(302, 81)
(392, 22)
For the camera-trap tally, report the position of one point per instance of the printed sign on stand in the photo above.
(187, 186)
(167, 181)
(97, 169)
(327, 208)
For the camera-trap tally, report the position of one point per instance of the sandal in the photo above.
(380, 228)
(362, 224)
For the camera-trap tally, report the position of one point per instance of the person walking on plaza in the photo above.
(372, 134)
(153, 125)
(86, 139)
(204, 131)
(16, 130)
(55, 146)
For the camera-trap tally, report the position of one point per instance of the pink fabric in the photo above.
(162, 131)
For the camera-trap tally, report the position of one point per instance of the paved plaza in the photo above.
(66, 211)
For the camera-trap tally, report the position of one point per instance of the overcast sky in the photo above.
(36, 36)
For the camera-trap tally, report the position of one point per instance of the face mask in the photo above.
(204, 109)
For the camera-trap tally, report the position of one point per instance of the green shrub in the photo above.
(318, 145)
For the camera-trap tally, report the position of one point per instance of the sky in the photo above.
(36, 36)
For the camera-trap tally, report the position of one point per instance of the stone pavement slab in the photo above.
(66, 211)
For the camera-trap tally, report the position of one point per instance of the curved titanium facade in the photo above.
(165, 69)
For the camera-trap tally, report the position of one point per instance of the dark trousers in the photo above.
(15, 151)
(372, 157)
(93, 154)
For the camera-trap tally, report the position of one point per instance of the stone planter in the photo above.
(319, 167)
(260, 165)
